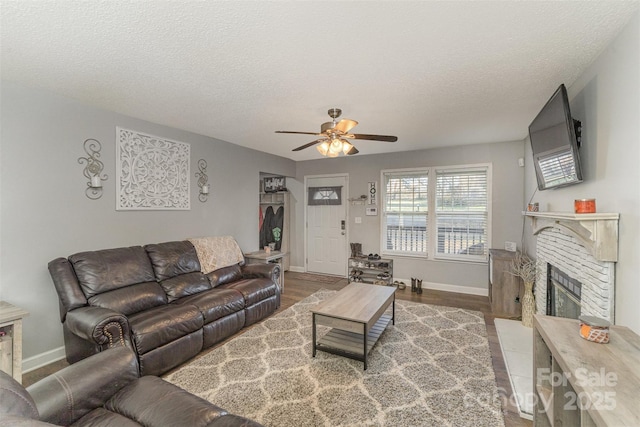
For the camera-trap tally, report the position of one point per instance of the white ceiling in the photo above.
(432, 73)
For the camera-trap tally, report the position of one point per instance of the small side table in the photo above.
(261, 257)
(11, 339)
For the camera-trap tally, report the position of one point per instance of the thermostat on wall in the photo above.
(372, 211)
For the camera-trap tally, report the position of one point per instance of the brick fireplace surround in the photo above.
(583, 246)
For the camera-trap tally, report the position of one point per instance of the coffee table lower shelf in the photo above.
(351, 344)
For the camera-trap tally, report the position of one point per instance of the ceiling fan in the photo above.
(334, 136)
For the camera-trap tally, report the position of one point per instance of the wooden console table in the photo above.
(11, 339)
(581, 383)
(261, 257)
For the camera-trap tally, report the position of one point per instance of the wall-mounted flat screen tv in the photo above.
(555, 139)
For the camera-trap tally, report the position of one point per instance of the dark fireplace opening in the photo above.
(563, 294)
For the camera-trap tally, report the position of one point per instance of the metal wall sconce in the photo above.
(93, 168)
(203, 180)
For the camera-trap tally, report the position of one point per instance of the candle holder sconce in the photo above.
(203, 180)
(93, 168)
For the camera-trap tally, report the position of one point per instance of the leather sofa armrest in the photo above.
(269, 271)
(103, 326)
(67, 395)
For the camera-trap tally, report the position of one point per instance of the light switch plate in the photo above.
(358, 220)
(510, 246)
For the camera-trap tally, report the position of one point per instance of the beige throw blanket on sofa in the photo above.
(217, 252)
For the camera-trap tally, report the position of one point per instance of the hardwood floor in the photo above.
(296, 289)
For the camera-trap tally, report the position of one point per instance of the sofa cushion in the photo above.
(131, 299)
(253, 290)
(165, 358)
(151, 401)
(160, 325)
(215, 303)
(102, 417)
(109, 269)
(185, 285)
(225, 275)
(172, 259)
(14, 399)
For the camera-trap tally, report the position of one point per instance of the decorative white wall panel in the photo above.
(152, 172)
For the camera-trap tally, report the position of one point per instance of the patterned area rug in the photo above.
(314, 277)
(433, 367)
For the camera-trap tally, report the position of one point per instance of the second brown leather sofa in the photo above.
(105, 390)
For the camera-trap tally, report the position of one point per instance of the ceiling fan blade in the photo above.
(385, 138)
(353, 150)
(345, 125)
(302, 133)
(302, 147)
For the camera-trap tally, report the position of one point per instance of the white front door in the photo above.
(326, 226)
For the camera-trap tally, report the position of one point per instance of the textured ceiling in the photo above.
(432, 73)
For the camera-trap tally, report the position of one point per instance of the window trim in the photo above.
(431, 253)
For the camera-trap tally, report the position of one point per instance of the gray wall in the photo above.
(45, 214)
(606, 98)
(506, 208)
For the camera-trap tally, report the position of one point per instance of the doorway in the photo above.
(326, 231)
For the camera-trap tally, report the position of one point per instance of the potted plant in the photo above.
(524, 267)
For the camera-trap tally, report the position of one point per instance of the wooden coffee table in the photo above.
(357, 317)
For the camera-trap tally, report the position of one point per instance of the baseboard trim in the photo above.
(449, 288)
(296, 269)
(39, 360)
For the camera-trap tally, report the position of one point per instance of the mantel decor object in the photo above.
(582, 206)
(93, 168)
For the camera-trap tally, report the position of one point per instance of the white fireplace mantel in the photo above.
(598, 232)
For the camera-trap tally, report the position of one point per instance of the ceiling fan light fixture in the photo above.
(332, 136)
(346, 147)
(323, 148)
(336, 146)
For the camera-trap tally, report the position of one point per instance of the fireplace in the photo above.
(576, 256)
(564, 294)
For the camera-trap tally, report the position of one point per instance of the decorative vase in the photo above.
(528, 305)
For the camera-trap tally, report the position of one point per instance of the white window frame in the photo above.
(432, 254)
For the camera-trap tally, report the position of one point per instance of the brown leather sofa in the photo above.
(156, 300)
(105, 390)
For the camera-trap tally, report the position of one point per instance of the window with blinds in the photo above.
(405, 212)
(437, 213)
(461, 211)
